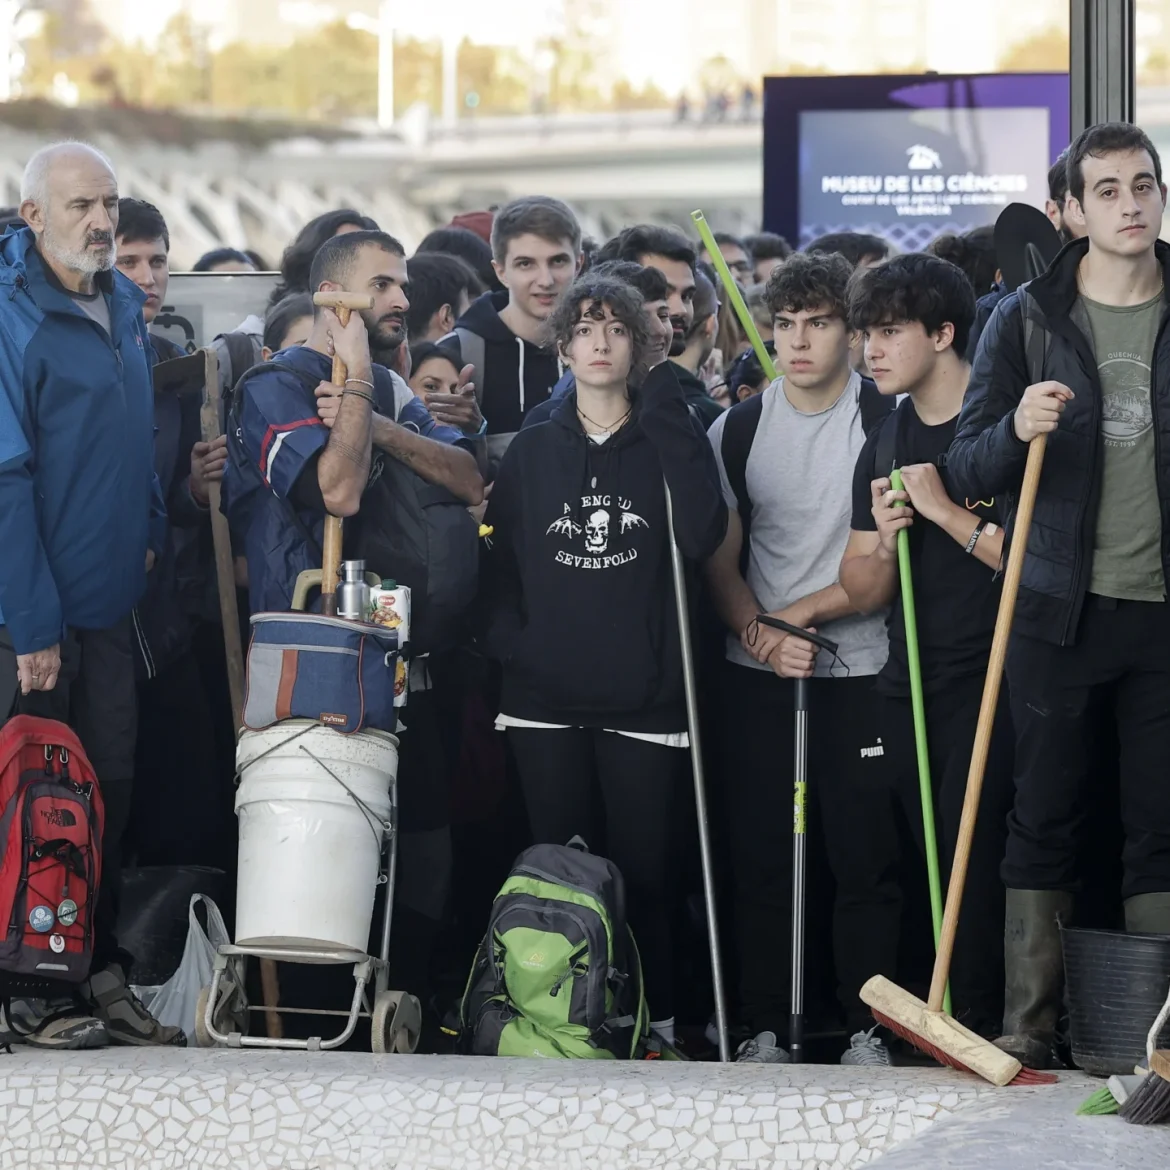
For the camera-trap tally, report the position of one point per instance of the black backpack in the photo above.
(739, 433)
(415, 532)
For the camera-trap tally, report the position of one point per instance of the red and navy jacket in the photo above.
(282, 436)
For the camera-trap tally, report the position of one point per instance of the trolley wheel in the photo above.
(396, 1023)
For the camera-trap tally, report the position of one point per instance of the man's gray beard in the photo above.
(82, 260)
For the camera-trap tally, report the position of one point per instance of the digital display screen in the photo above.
(907, 158)
(909, 175)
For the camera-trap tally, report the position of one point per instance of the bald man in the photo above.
(80, 526)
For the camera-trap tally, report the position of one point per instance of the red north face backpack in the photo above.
(51, 818)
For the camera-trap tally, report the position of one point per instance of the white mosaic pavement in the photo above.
(149, 1110)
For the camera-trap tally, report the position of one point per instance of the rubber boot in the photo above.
(1148, 914)
(1034, 966)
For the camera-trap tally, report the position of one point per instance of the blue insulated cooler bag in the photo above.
(332, 670)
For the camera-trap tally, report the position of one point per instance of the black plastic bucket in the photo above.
(1116, 984)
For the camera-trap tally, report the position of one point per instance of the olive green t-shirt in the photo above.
(1127, 551)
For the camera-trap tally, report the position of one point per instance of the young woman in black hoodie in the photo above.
(581, 609)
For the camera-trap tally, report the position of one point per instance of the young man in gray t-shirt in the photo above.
(786, 462)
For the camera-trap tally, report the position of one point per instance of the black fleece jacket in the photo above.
(577, 588)
(987, 460)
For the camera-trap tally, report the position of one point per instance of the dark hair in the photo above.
(768, 246)
(538, 215)
(728, 238)
(335, 258)
(209, 260)
(586, 296)
(589, 249)
(706, 300)
(470, 248)
(914, 287)
(437, 279)
(298, 256)
(280, 317)
(1106, 138)
(425, 350)
(1058, 179)
(139, 221)
(646, 239)
(747, 370)
(854, 246)
(973, 252)
(258, 261)
(648, 281)
(810, 280)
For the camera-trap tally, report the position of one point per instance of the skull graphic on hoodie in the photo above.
(592, 527)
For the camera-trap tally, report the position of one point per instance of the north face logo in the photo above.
(60, 818)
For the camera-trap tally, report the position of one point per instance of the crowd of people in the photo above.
(573, 395)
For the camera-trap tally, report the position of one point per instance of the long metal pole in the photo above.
(799, 838)
(688, 658)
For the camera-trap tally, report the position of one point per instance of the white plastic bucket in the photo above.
(309, 853)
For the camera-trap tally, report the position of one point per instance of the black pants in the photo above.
(618, 794)
(1119, 671)
(95, 696)
(850, 801)
(977, 976)
(183, 803)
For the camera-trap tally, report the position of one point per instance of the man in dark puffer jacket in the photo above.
(1092, 627)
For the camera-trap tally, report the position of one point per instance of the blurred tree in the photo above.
(1044, 52)
(649, 97)
(500, 77)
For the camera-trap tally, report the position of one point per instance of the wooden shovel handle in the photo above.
(995, 664)
(331, 548)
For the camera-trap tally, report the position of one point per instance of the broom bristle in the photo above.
(1101, 1103)
(1026, 1076)
(1149, 1103)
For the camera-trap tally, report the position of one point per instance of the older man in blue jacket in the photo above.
(80, 524)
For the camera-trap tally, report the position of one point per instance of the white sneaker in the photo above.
(761, 1049)
(866, 1050)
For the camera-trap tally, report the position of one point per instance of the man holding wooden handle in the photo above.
(1083, 357)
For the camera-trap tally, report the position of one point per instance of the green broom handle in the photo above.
(919, 707)
(737, 301)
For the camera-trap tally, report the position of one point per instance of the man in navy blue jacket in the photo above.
(81, 522)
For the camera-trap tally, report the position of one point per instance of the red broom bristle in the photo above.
(1026, 1076)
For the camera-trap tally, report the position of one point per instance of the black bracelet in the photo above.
(359, 394)
(975, 537)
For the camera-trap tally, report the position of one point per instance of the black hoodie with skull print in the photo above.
(578, 599)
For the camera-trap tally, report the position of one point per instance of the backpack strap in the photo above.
(240, 349)
(739, 433)
(885, 452)
(875, 406)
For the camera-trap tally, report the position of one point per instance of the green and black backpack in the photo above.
(558, 973)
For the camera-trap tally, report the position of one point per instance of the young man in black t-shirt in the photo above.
(916, 311)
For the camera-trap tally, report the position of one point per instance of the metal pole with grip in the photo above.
(799, 833)
(705, 857)
(799, 838)
(342, 303)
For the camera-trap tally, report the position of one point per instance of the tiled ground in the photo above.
(141, 1110)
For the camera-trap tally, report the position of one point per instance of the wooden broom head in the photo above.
(937, 1034)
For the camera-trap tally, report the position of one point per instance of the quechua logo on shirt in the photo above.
(599, 534)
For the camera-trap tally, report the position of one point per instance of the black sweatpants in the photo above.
(95, 696)
(184, 805)
(1118, 671)
(850, 802)
(977, 974)
(618, 794)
